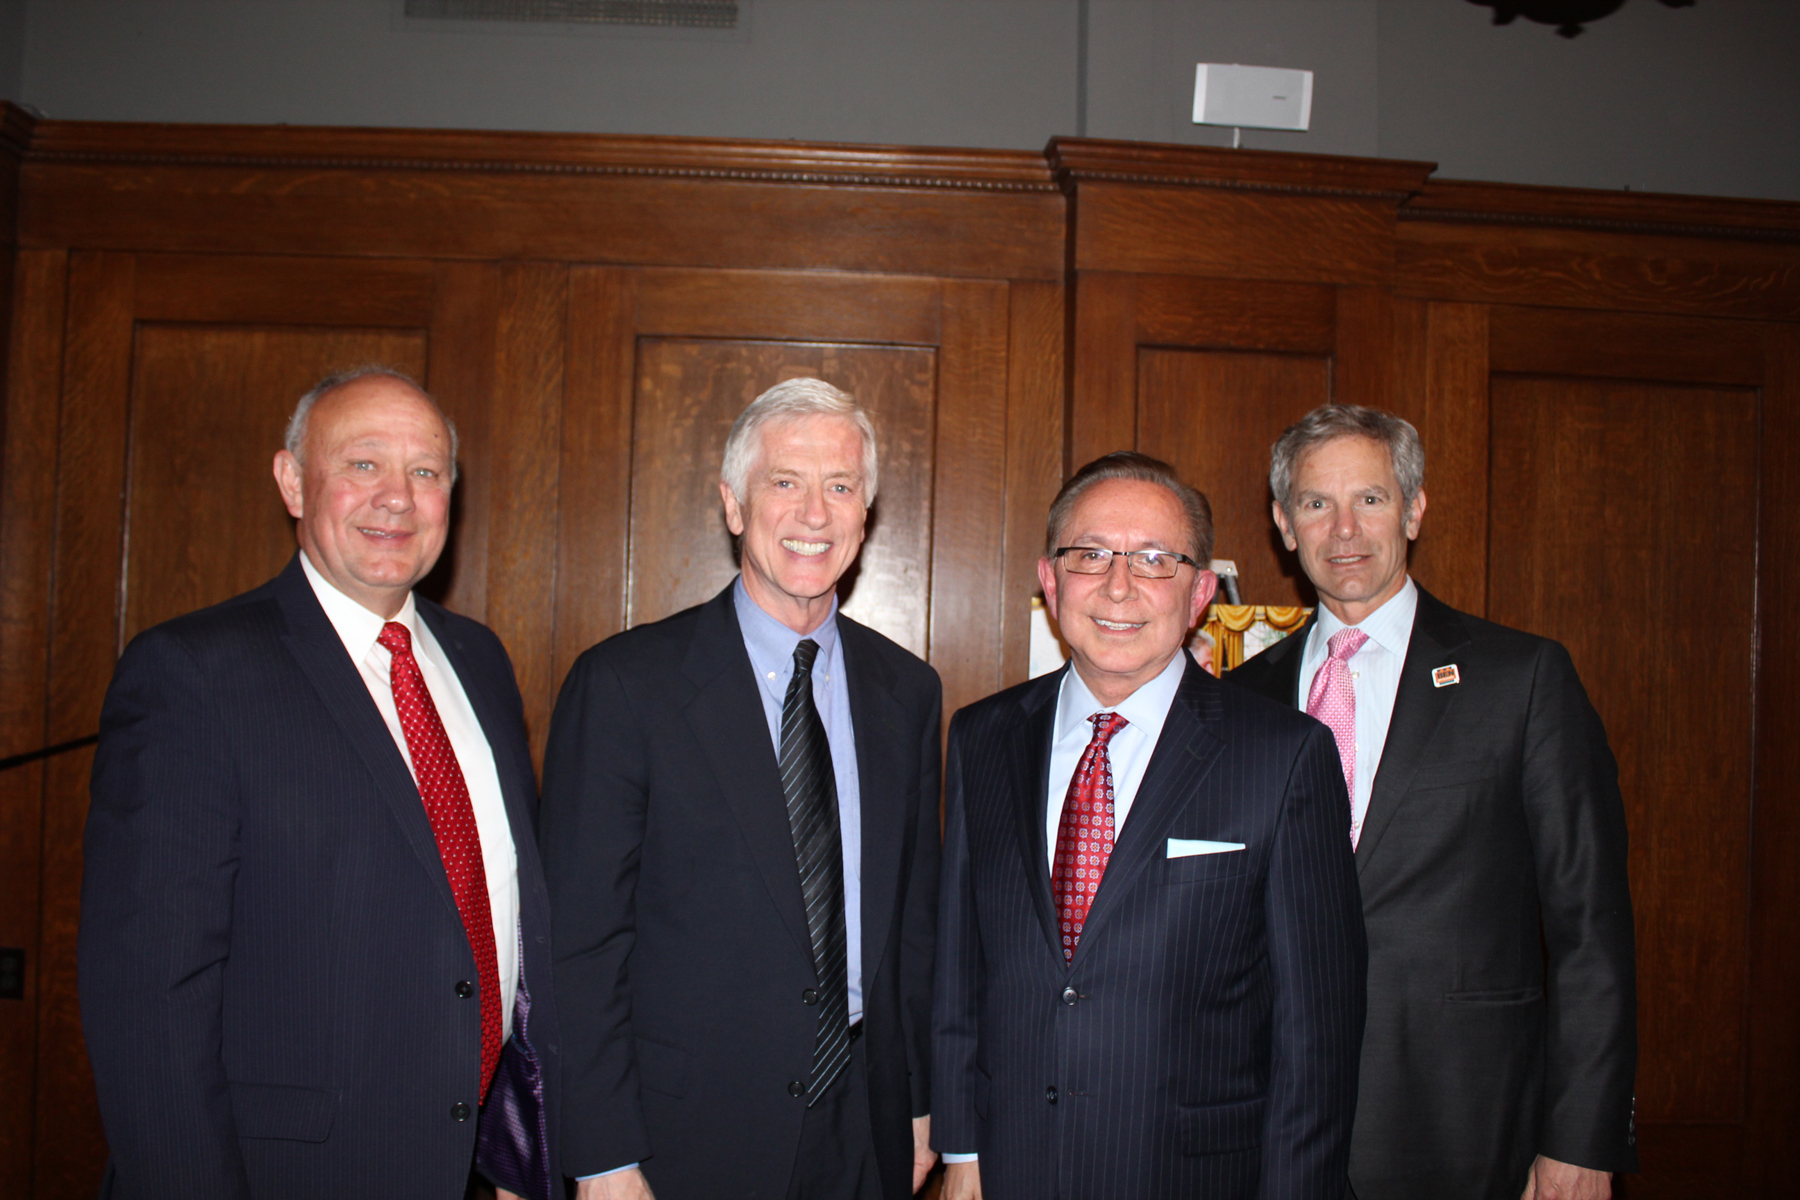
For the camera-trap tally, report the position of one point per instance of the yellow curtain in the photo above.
(1227, 623)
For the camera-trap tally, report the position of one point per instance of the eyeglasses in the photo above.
(1145, 564)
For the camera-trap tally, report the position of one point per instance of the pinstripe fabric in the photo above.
(1204, 1040)
(269, 945)
(1495, 831)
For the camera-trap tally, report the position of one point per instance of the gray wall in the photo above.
(1704, 99)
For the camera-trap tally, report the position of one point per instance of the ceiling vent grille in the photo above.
(693, 14)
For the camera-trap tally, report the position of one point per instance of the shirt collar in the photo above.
(356, 626)
(1145, 709)
(1389, 626)
(770, 643)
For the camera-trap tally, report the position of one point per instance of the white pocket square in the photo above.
(1184, 847)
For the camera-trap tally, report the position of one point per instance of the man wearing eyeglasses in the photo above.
(1150, 943)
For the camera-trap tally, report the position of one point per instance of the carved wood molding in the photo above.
(1076, 161)
(283, 147)
(1455, 202)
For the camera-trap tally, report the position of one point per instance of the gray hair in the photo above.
(1129, 464)
(295, 439)
(792, 400)
(1329, 422)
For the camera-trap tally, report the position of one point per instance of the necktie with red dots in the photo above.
(446, 797)
(1084, 836)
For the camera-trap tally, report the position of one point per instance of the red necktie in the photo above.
(1084, 836)
(446, 797)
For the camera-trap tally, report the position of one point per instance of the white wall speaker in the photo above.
(1252, 97)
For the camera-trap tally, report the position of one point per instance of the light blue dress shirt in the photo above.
(771, 646)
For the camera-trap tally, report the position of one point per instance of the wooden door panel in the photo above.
(208, 410)
(688, 394)
(1595, 541)
(1213, 415)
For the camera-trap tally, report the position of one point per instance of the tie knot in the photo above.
(804, 654)
(1106, 724)
(1346, 642)
(396, 637)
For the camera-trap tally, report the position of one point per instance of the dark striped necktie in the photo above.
(811, 787)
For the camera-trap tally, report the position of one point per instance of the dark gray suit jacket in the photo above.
(270, 949)
(1495, 813)
(682, 950)
(1204, 1040)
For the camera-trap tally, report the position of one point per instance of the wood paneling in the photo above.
(1653, 590)
(27, 494)
(208, 408)
(1587, 370)
(1213, 415)
(688, 394)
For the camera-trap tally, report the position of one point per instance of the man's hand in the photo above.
(1552, 1180)
(962, 1181)
(923, 1155)
(628, 1184)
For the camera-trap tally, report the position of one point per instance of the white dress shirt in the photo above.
(358, 628)
(1374, 679)
(1130, 748)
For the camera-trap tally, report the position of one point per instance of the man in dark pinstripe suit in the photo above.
(1151, 955)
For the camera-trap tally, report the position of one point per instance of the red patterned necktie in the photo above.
(1084, 836)
(446, 797)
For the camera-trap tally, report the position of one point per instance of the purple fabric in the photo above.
(512, 1144)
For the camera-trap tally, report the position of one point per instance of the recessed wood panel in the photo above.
(1623, 524)
(688, 393)
(1214, 415)
(209, 406)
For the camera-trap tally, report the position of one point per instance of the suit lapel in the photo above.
(882, 748)
(1281, 665)
(1184, 753)
(320, 654)
(726, 716)
(1419, 708)
(1029, 768)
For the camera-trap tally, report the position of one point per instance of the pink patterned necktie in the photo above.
(452, 815)
(1084, 836)
(1333, 701)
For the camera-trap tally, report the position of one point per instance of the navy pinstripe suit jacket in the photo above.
(269, 946)
(1204, 1041)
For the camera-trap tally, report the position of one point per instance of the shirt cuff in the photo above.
(604, 1174)
(959, 1158)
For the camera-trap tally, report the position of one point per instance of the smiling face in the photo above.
(373, 495)
(1123, 630)
(802, 517)
(1350, 525)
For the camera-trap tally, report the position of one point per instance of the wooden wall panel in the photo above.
(208, 407)
(1652, 593)
(1034, 458)
(689, 393)
(1451, 556)
(1213, 415)
(27, 493)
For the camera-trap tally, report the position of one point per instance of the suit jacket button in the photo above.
(459, 1111)
(796, 1088)
(464, 989)
(809, 996)
(1050, 1093)
(1070, 995)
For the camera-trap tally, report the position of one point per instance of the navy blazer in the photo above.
(269, 948)
(1204, 1040)
(1495, 836)
(682, 950)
